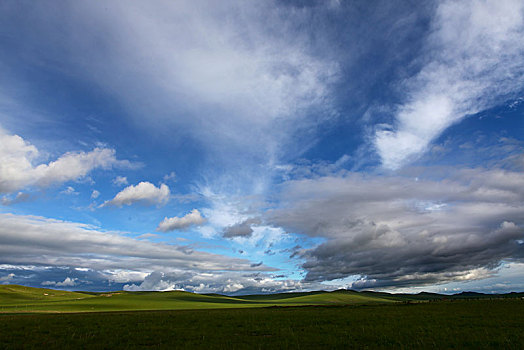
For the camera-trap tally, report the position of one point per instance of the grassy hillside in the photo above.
(26, 299)
(15, 295)
(16, 299)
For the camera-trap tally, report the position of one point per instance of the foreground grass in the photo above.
(474, 324)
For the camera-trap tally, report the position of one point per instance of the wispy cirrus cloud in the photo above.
(242, 84)
(223, 73)
(472, 61)
(120, 181)
(19, 198)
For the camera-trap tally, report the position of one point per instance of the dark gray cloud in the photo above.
(230, 282)
(66, 277)
(401, 231)
(242, 229)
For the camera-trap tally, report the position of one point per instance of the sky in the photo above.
(242, 147)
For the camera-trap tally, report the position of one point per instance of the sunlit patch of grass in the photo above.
(26, 299)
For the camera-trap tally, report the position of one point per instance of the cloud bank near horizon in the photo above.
(424, 231)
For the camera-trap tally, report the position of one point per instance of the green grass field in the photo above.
(15, 299)
(466, 324)
(45, 318)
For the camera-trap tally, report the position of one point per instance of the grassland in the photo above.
(466, 324)
(44, 318)
(15, 299)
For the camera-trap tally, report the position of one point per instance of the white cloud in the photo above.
(95, 194)
(120, 181)
(17, 169)
(68, 282)
(123, 276)
(181, 223)
(227, 283)
(474, 61)
(145, 192)
(170, 177)
(69, 191)
(7, 278)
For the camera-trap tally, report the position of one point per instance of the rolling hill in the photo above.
(17, 299)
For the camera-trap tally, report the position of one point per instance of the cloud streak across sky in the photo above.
(473, 61)
(229, 71)
(316, 145)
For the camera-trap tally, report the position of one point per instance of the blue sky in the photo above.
(239, 147)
